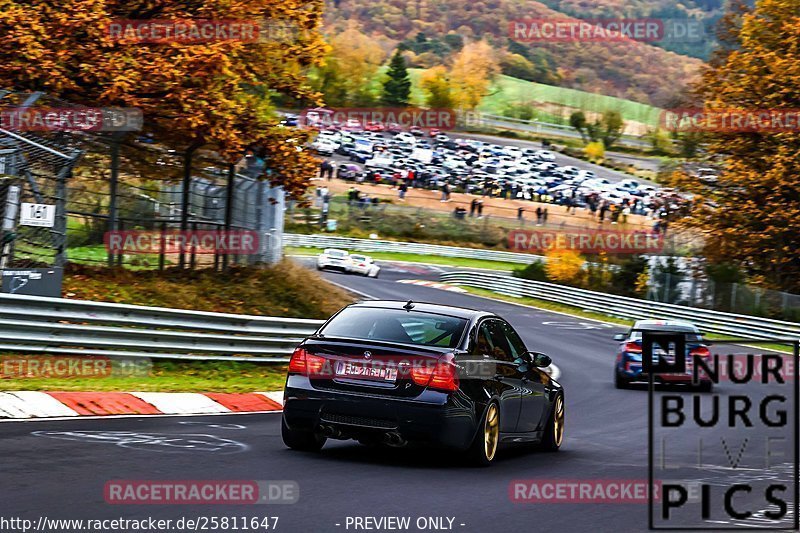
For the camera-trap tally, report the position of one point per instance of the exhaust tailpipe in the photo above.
(394, 439)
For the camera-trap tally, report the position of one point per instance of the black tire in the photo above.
(620, 382)
(304, 441)
(480, 453)
(554, 430)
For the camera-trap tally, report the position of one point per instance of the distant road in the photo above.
(545, 129)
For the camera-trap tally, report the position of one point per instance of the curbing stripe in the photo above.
(275, 396)
(181, 402)
(32, 404)
(104, 403)
(245, 402)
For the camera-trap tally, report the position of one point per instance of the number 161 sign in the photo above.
(42, 215)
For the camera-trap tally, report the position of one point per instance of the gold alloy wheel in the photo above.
(558, 421)
(491, 431)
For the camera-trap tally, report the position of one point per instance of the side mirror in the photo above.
(539, 359)
(619, 337)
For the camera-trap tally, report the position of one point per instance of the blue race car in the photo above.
(628, 363)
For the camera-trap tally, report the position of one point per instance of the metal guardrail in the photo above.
(742, 326)
(536, 126)
(374, 245)
(78, 327)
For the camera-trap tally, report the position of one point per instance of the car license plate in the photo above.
(366, 371)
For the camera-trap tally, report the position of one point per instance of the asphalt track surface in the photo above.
(58, 469)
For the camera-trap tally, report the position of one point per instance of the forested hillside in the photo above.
(431, 31)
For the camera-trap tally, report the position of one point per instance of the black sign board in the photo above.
(32, 281)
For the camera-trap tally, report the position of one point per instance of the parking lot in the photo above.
(429, 159)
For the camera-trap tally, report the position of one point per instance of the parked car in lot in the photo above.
(324, 146)
(333, 259)
(546, 155)
(363, 265)
(405, 137)
(374, 126)
(352, 124)
(397, 373)
(628, 363)
(361, 156)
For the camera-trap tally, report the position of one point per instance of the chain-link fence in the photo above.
(684, 281)
(109, 187)
(34, 171)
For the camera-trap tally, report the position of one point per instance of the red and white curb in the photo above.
(32, 404)
(432, 284)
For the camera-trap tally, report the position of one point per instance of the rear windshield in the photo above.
(358, 258)
(337, 253)
(395, 325)
(692, 333)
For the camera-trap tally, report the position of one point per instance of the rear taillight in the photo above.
(632, 347)
(297, 364)
(700, 351)
(307, 364)
(441, 375)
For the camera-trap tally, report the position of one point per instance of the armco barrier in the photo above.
(77, 327)
(375, 245)
(741, 326)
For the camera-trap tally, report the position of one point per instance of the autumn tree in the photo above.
(753, 220)
(565, 266)
(212, 94)
(473, 70)
(435, 83)
(606, 129)
(578, 121)
(350, 71)
(397, 87)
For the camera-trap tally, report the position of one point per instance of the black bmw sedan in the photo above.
(394, 373)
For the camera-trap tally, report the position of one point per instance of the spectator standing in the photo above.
(539, 216)
(473, 206)
(402, 188)
(544, 216)
(480, 208)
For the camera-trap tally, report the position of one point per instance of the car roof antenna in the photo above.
(409, 306)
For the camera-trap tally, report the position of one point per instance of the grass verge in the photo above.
(415, 258)
(286, 289)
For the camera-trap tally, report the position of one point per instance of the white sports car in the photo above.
(334, 259)
(364, 265)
